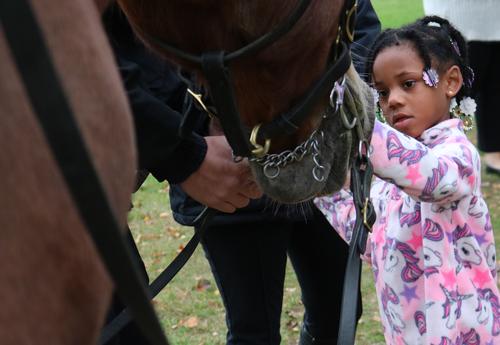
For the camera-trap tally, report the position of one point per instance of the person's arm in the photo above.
(367, 28)
(441, 173)
(339, 211)
(203, 166)
(161, 150)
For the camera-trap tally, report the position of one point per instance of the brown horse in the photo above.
(270, 81)
(54, 288)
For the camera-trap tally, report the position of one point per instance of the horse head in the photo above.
(269, 82)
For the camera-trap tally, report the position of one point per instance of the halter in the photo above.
(243, 141)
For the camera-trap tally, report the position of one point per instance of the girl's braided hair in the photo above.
(436, 41)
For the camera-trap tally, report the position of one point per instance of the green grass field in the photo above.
(190, 307)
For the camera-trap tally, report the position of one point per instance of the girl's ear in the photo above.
(453, 81)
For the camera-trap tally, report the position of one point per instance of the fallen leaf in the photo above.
(202, 284)
(180, 249)
(190, 322)
(173, 232)
(164, 215)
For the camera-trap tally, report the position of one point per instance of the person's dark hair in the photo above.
(437, 42)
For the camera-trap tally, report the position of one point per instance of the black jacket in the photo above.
(156, 97)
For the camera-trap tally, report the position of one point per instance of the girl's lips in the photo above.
(401, 121)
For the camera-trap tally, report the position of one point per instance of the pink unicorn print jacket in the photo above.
(432, 248)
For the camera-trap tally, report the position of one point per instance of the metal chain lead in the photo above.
(273, 163)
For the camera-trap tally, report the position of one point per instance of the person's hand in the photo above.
(220, 183)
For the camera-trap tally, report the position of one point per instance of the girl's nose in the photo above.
(395, 99)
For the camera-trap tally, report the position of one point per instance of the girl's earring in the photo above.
(464, 111)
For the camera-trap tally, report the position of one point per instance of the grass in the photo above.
(190, 307)
(394, 13)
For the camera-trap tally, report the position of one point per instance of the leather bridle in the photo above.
(245, 142)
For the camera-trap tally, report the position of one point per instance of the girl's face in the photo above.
(408, 104)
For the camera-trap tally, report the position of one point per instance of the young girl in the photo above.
(432, 248)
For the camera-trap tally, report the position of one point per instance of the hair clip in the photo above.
(431, 77)
(470, 80)
(454, 44)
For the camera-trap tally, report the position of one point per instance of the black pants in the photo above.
(484, 60)
(248, 261)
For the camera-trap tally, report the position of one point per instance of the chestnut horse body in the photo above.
(54, 288)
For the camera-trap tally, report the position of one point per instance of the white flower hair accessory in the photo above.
(464, 111)
(378, 112)
(468, 106)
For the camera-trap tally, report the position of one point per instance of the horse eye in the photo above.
(465, 251)
(426, 257)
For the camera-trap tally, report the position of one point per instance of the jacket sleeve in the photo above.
(441, 173)
(339, 211)
(161, 150)
(367, 28)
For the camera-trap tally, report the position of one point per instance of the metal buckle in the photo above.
(364, 149)
(259, 151)
(349, 23)
(199, 99)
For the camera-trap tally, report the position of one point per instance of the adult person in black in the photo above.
(247, 251)
(203, 166)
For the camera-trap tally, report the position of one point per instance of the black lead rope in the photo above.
(361, 175)
(56, 118)
(124, 318)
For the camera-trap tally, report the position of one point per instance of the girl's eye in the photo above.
(409, 84)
